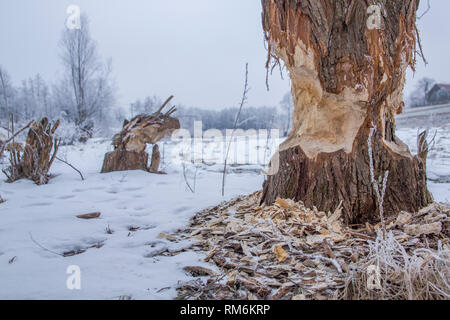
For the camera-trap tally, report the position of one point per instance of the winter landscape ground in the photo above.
(40, 233)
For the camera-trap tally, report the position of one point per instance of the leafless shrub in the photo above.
(420, 275)
(108, 230)
(193, 187)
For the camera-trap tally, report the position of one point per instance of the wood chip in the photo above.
(423, 229)
(283, 203)
(88, 216)
(280, 253)
(197, 271)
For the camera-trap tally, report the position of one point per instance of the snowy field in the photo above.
(38, 224)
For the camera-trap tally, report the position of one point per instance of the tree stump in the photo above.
(129, 145)
(40, 151)
(347, 78)
(35, 159)
(122, 160)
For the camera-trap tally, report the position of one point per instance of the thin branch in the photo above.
(79, 172)
(426, 11)
(164, 105)
(14, 136)
(42, 247)
(243, 101)
(186, 180)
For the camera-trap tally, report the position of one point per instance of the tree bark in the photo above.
(346, 79)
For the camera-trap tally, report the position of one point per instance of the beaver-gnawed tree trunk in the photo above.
(347, 78)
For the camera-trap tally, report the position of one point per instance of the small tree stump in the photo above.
(129, 145)
(38, 157)
(122, 160)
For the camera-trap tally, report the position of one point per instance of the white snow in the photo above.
(124, 266)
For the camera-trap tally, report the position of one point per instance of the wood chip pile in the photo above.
(287, 251)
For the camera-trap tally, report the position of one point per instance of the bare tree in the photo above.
(88, 78)
(6, 93)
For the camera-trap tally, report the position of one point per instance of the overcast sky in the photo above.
(194, 49)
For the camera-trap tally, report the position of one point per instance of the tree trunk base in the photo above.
(122, 160)
(331, 178)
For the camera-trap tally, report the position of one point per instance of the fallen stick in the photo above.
(360, 235)
(79, 172)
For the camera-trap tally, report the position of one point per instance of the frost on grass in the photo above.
(421, 274)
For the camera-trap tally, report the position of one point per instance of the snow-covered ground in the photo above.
(438, 162)
(38, 223)
(126, 200)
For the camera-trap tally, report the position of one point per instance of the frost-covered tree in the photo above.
(34, 99)
(148, 106)
(287, 104)
(419, 97)
(250, 118)
(86, 91)
(7, 96)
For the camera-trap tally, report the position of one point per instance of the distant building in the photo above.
(439, 94)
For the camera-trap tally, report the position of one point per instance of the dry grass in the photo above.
(423, 274)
